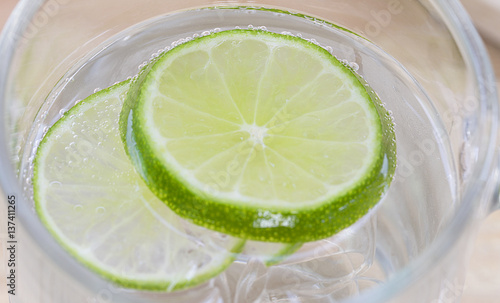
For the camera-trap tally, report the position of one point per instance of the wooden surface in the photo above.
(483, 275)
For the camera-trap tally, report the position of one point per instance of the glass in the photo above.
(423, 58)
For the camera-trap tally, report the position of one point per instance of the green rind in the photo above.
(285, 12)
(151, 285)
(309, 224)
(279, 257)
(269, 253)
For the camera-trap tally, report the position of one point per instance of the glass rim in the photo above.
(475, 55)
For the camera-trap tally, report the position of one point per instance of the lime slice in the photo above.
(89, 196)
(259, 135)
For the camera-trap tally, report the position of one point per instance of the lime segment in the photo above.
(259, 135)
(89, 196)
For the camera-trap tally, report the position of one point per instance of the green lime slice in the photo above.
(259, 135)
(90, 198)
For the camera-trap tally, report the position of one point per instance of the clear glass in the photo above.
(424, 60)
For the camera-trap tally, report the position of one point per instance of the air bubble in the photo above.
(354, 66)
(100, 210)
(55, 183)
(250, 26)
(78, 207)
(96, 90)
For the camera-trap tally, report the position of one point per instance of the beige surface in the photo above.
(6, 7)
(483, 277)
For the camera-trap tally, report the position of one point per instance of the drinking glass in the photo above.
(423, 58)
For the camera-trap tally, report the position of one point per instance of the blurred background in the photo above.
(483, 274)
